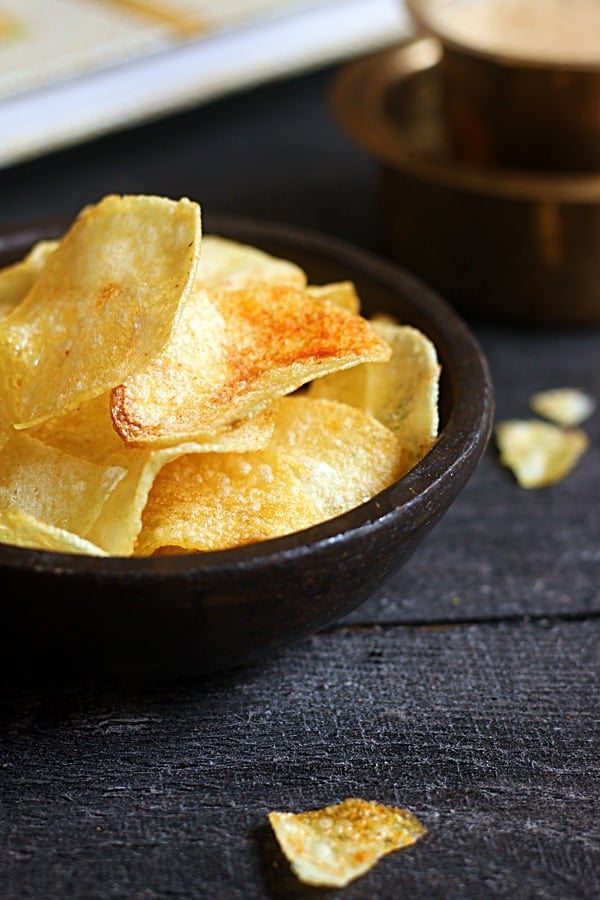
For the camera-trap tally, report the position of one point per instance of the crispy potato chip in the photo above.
(212, 501)
(234, 352)
(87, 433)
(568, 407)
(349, 456)
(403, 394)
(342, 293)
(103, 305)
(17, 280)
(331, 847)
(539, 453)
(21, 529)
(324, 458)
(62, 490)
(231, 265)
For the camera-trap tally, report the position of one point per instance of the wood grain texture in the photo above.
(488, 733)
(501, 550)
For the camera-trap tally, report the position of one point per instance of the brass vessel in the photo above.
(512, 246)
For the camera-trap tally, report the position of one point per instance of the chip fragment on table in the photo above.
(566, 406)
(539, 453)
(330, 847)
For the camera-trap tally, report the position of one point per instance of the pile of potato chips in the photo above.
(166, 391)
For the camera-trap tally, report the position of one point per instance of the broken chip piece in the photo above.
(330, 847)
(539, 453)
(568, 407)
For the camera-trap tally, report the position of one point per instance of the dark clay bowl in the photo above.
(201, 613)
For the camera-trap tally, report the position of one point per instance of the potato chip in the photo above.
(331, 847)
(17, 280)
(342, 293)
(403, 394)
(324, 458)
(212, 501)
(103, 305)
(62, 490)
(233, 353)
(349, 456)
(21, 529)
(568, 407)
(87, 433)
(539, 453)
(231, 265)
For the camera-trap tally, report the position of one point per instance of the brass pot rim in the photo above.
(496, 57)
(358, 94)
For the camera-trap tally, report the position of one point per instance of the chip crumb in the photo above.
(539, 453)
(332, 846)
(566, 406)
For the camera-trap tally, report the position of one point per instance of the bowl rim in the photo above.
(462, 439)
(420, 12)
(357, 96)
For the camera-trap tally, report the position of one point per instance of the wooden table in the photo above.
(466, 689)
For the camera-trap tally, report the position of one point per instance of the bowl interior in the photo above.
(199, 613)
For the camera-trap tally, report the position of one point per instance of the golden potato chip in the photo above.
(342, 293)
(231, 354)
(87, 433)
(102, 307)
(231, 265)
(331, 847)
(349, 456)
(324, 458)
(17, 280)
(64, 491)
(539, 453)
(21, 529)
(568, 407)
(403, 394)
(120, 522)
(212, 501)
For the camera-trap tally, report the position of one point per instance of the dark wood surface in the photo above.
(466, 689)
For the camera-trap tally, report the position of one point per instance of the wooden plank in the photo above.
(501, 550)
(487, 732)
